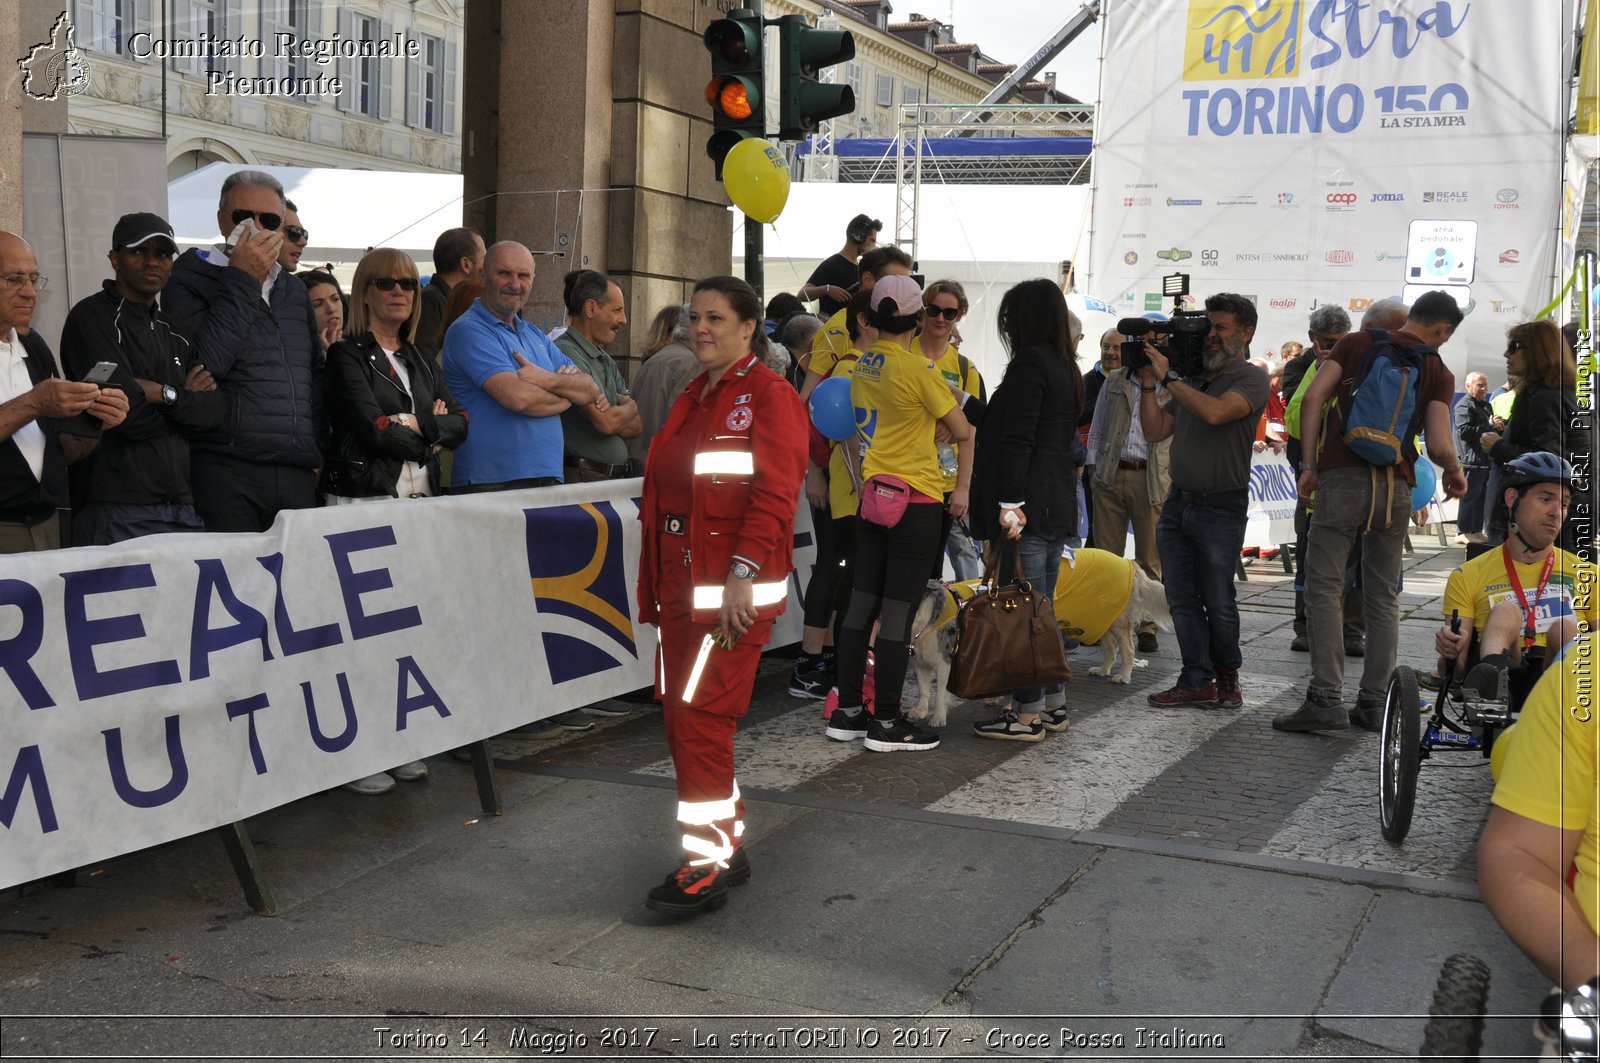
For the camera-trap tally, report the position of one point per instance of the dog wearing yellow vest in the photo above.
(1100, 599)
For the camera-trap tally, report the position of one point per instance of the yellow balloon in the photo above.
(757, 179)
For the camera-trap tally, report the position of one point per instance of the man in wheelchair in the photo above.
(1524, 599)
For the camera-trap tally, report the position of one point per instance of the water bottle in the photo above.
(947, 460)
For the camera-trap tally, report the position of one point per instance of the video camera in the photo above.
(1185, 333)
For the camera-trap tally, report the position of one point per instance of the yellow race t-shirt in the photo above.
(949, 366)
(831, 343)
(1547, 764)
(898, 397)
(842, 498)
(1479, 585)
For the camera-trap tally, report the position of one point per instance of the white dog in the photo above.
(1100, 598)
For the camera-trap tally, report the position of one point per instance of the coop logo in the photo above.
(1454, 198)
(1388, 197)
(1174, 202)
(1511, 257)
(1342, 199)
(1231, 41)
(1174, 254)
(1135, 201)
(1130, 257)
(1282, 304)
(1506, 199)
(1208, 258)
(1339, 257)
(575, 559)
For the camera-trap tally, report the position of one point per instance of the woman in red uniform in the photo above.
(721, 487)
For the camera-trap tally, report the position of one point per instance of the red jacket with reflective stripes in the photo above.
(753, 411)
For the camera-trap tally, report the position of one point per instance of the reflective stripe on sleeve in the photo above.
(762, 594)
(725, 463)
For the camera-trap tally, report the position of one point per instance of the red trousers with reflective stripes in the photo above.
(700, 730)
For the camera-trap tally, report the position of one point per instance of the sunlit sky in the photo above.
(1012, 30)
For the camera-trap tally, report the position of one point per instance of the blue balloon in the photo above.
(1594, 295)
(831, 411)
(1427, 480)
(1153, 315)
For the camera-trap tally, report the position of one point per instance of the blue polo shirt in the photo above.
(501, 444)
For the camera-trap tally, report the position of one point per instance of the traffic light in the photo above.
(734, 91)
(804, 102)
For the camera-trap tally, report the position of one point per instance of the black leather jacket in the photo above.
(363, 394)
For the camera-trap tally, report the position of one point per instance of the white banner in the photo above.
(1273, 490)
(175, 683)
(1283, 149)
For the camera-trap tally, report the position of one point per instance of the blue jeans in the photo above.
(1199, 543)
(104, 523)
(1041, 564)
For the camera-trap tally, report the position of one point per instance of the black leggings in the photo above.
(891, 572)
(829, 590)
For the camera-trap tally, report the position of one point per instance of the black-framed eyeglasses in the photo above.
(1514, 345)
(388, 284)
(267, 219)
(295, 235)
(949, 313)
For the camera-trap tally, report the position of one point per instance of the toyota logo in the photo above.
(1341, 197)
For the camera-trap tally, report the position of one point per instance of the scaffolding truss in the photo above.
(913, 162)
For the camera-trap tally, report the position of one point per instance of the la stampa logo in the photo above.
(55, 66)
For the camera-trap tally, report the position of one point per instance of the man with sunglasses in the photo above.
(251, 323)
(295, 238)
(137, 481)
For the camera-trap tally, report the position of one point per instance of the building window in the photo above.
(368, 71)
(885, 90)
(853, 78)
(291, 19)
(432, 83)
(106, 25)
(911, 95)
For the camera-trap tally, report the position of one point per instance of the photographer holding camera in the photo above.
(1214, 399)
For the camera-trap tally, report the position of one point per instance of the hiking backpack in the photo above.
(1384, 410)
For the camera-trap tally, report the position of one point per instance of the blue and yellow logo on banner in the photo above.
(1234, 40)
(576, 564)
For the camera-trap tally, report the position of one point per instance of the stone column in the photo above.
(591, 127)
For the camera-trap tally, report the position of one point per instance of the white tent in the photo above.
(988, 237)
(345, 211)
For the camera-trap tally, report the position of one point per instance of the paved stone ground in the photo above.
(1220, 780)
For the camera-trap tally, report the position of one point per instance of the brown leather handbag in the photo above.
(1006, 639)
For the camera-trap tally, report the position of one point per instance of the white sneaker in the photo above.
(410, 772)
(372, 785)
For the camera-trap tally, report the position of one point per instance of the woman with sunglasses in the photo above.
(390, 412)
(1537, 355)
(944, 304)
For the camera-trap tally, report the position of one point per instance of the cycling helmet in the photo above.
(1539, 467)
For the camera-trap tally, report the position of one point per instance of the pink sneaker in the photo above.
(868, 689)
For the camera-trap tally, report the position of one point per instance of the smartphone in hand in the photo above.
(101, 373)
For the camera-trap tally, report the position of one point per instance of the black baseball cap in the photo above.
(134, 229)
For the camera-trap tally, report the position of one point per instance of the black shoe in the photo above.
(1314, 714)
(810, 680)
(1355, 646)
(1006, 726)
(573, 720)
(892, 736)
(691, 890)
(1489, 677)
(738, 872)
(1301, 644)
(1146, 642)
(846, 728)
(1368, 714)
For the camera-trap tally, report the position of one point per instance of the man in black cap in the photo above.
(834, 281)
(137, 481)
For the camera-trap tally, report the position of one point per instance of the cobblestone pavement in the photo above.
(1216, 779)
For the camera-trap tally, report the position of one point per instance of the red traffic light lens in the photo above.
(727, 39)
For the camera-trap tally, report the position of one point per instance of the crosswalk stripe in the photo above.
(780, 753)
(1077, 778)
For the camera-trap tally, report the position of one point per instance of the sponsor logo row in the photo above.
(1340, 198)
(1337, 256)
(1155, 301)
